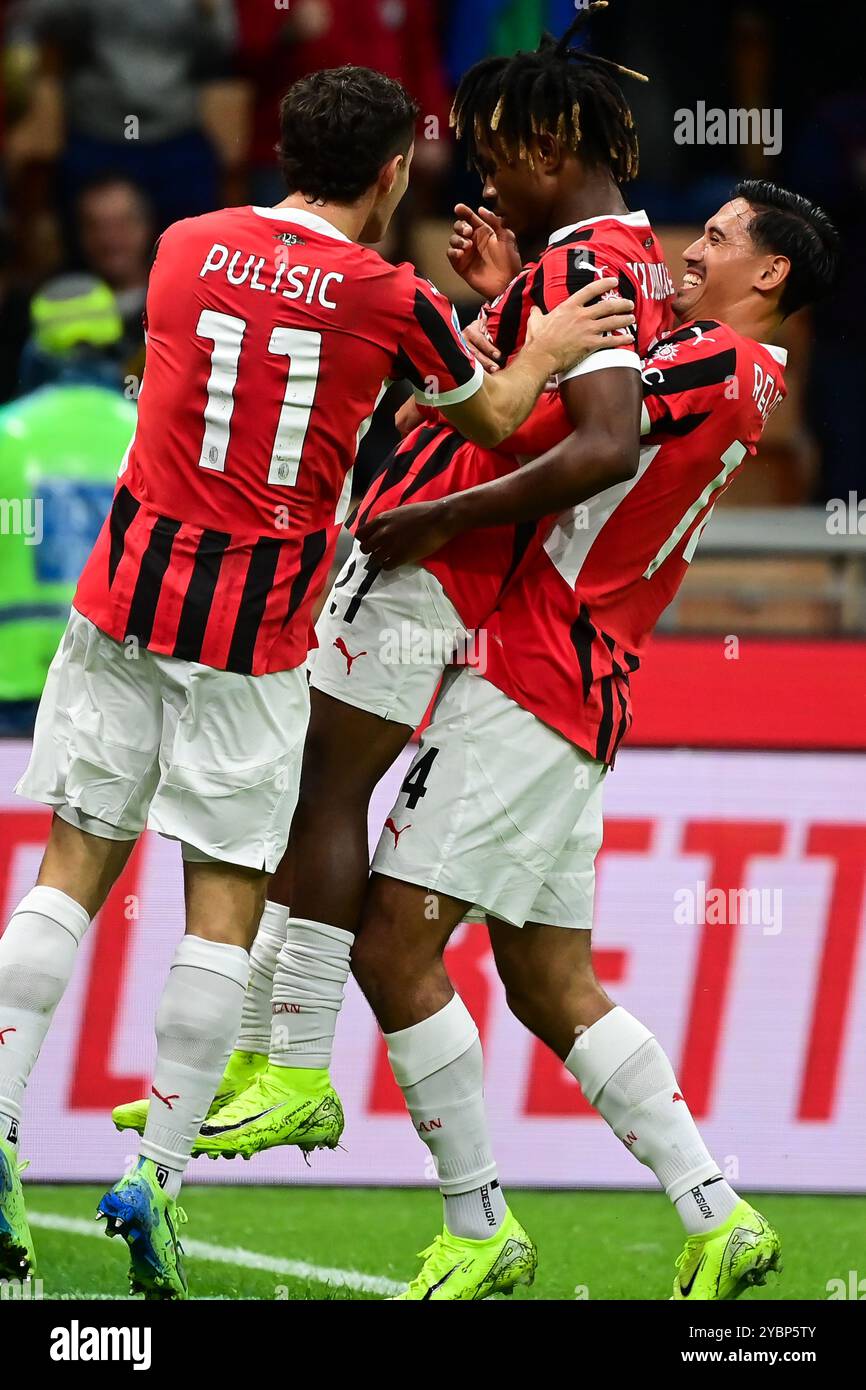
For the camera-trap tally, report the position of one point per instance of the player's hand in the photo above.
(408, 417)
(407, 534)
(582, 324)
(482, 251)
(488, 355)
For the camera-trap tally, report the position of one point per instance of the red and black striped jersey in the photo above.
(270, 336)
(573, 624)
(434, 461)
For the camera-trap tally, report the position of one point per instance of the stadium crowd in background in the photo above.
(118, 118)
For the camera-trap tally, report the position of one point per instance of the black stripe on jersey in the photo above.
(537, 291)
(314, 547)
(199, 594)
(438, 333)
(124, 510)
(148, 585)
(667, 425)
(373, 570)
(605, 728)
(257, 585)
(622, 726)
(685, 335)
(523, 534)
(585, 234)
(583, 635)
(438, 461)
(341, 584)
(580, 270)
(397, 465)
(510, 319)
(689, 376)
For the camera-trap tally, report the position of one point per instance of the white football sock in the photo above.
(624, 1072)
(255, 1034)
(439, 1066)
(37, 955)
(197, 1023)
(311, 974)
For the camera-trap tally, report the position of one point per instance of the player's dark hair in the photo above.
(787, 224)
(557, 90)
(338, 128)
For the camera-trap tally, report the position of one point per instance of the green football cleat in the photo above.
(138, 1209)
(458, 1269)
(725, 1262)
(283, 1105)
(17, 1257)
(243, 1067)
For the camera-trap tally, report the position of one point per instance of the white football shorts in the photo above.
(497, 809)
(385, 639)
(126, 738)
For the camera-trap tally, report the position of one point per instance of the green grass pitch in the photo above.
(315, 1243)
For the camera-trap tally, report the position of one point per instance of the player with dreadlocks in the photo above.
(553, 137)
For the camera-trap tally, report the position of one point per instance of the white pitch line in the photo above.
(228, 1255)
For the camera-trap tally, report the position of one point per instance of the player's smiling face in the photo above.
(722, 266)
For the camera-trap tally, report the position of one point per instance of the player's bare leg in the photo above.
(38, 951)
(435, 1054)
(625, 1074)
(323, 878)
(347, 753)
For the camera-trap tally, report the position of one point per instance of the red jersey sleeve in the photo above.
(685, 373)
(565, 270)
(433, 354)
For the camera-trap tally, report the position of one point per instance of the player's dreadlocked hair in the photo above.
(557, 90)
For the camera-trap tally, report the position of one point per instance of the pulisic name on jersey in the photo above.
(302, 282)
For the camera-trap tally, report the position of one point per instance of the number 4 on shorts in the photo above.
(415, 785)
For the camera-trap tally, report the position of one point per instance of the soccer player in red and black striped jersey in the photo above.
(552, 167)
(502, 805)
(178, 697)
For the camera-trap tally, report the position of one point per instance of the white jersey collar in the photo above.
(312, 220)
(780, 353)
(628, 219)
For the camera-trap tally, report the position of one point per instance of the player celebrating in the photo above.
(553, 138)
(178, 697)
(502, 806)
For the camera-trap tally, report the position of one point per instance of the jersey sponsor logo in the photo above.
(3, 1032)
(677, 1096)
(389, 825)
(427, 1126)
(349, 658)
(286, 1009)
(166, 1100)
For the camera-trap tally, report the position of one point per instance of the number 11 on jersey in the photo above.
(303, 349)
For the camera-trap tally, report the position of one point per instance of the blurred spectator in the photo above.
(501, 26)
(14, 318)
(132, 77)
(59, 454)
(280, 43)
(76, 336)
(830, 162)
(115, 236)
